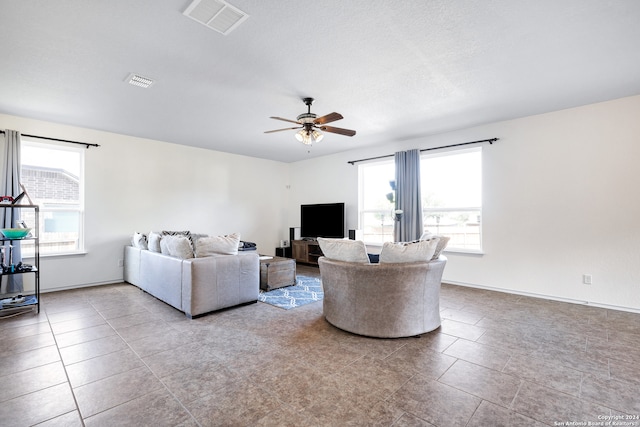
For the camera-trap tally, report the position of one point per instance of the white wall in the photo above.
(134, 184)
(559, 201)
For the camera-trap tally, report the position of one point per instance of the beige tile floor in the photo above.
(115, 356)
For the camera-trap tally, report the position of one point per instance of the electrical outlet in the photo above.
(586, 279)
(120, 263)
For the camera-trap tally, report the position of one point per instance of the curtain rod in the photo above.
(86, 144)
(490, 141)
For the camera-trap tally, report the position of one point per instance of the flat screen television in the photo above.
(322, 220)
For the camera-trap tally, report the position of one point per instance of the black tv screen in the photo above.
(322, 220)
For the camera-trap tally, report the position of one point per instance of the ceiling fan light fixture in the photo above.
(310, 125)
(307, 117)
(308, 137)
(317, 135)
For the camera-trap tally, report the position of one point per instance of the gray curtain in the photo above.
(10, 186)
(408, 197)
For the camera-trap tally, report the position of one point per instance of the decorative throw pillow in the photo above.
(344, 250)
(225, 245)
(186, 233)
(195, 237)
(164, 246)
(374, 258)
(444, 240)
(153, 242)
(421, 250)
(175, 233)
(176, 246)
(139, 241)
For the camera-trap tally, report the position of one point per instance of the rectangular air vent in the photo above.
(215, 14)
(138, 80)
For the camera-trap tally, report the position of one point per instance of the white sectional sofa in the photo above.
(195, 286)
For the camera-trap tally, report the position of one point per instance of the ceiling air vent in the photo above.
(215, 14)
(138, 80)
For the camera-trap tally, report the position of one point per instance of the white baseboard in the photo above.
(542, 296)
(84, 285)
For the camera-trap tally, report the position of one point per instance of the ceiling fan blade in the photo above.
(280, 130)
(285, 120)
(345, 132)
(331, 117)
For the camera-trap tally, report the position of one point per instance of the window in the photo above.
(452, 197)
(53, 176)
(375, 207)
(451, 185)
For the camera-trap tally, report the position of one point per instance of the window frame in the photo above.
(426, 210)
(478, 209)
(80, 210)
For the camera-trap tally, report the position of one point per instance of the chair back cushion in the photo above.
(344, 250)
(421, 250)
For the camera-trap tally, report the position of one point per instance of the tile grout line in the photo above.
(513, 401)
(150, 370)
(66, 373)
(526, 391)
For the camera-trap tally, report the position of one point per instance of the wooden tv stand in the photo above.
(306, 251)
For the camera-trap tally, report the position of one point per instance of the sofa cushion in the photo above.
(344, 250)
(444, 240)
(176, 246)
(139, 241)
(153, 241)
(420, 250)
(212, 245)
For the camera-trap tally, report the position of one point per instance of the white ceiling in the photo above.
(395, 70)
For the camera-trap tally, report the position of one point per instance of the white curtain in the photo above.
(408, 197)
(10, 186)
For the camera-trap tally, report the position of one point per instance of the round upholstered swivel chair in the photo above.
(388, 300)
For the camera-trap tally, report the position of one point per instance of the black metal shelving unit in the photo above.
(32, 298)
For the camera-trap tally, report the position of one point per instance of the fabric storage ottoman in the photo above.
(277, 272)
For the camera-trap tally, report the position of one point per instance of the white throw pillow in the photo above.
(421, 250)
(187, 234)
(153, 242)
(225, 245)
(139, 241)
(444, 240)
(344, 250)
(176, 246)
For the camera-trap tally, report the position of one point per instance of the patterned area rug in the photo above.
(305, 291)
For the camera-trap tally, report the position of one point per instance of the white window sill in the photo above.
(376, 247)
(65, 254)
(463, 252)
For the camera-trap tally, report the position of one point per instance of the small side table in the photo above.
(277, 272)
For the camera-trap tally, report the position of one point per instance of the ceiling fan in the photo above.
(310, 125)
